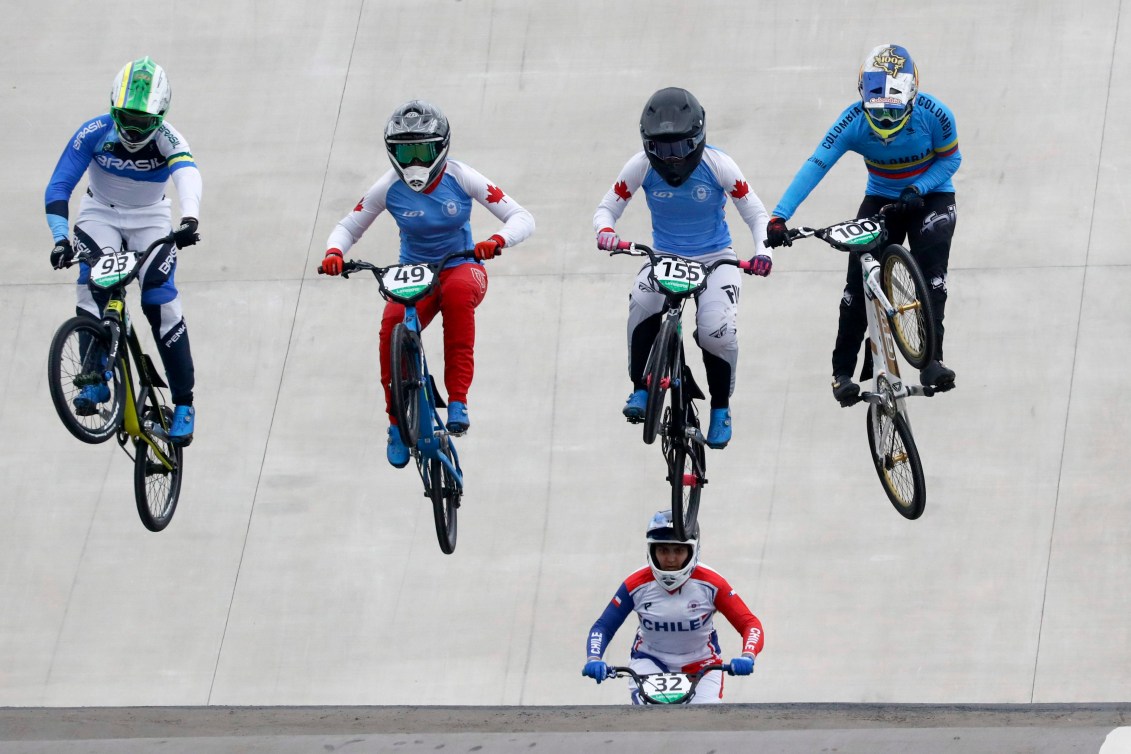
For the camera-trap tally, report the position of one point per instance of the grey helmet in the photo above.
(417, 137)
(662, 531)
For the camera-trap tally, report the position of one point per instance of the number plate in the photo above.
(856, 234)
(679, 275)
(110, 268)
(667, 688)
(406, 281)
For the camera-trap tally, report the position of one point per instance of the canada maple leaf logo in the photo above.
(495, 194)
(621, 189)
(741, 189)
(360, 205)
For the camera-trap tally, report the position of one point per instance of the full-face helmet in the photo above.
(888, 83)
(139, 100)
(417, 137)
(661, 531)
(673, 128)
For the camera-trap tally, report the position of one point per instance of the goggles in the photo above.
(134, 122)
(422, 152)
(670, 151)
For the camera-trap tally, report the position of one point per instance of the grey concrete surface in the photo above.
(301, 569)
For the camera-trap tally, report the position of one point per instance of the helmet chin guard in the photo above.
(662, 531)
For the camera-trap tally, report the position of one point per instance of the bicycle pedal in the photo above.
(633, 420)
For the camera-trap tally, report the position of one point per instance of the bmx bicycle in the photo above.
(670, 411)
(103, 359)
(900, 318)
(415, 398)
(665, 688)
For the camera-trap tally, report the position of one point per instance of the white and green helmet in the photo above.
(138, 102)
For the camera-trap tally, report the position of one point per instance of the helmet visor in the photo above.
(672, 151)
(887, 117)
(134, 124)
(421, 152)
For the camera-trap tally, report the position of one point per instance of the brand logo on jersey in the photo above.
(109, 161)
(701, 193)
(173, 140)
(170, 260)
(889, 61)
(176, 334)
(480, 278)
(693, 605)
(620, 188)
(451, 209)
(96, 126)
(413, 213)
(495, 194)
(663, 194)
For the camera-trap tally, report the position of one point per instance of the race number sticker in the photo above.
(668, 688)
(112, 267)
(408, 280)
(678, 275)
(856, 232)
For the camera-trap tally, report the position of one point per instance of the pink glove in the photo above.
(607, 240)
(760, 265)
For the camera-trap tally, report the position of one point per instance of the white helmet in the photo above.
(138, 102)
(417, 137)
(661, 531)
(888, 83)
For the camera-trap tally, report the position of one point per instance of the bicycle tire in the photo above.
(897, 462)
(157, 488)
(913, 326)
(75, 361)
(687, 468)
(445, 491)
(407, 382)
(657, 373)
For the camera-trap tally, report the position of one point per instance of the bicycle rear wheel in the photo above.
(75, 371)
(914, 323)
(658, 373)
(897, 461)
(407, 382)
(445, 491)
(157, 486)
(687, 473)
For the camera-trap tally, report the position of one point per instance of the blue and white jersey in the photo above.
(119, 177)
(924, 154)
(687, 219)
(436, 221)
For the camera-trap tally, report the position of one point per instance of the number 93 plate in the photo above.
(112, 267)
(407, 280)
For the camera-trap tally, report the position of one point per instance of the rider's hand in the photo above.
(760, 265)
(596, 669)
(910, 199)
(777, 234)
(186, 234)
(332, 262)
(489, 248)
(62, 254)
(743, 665)
(607, 240)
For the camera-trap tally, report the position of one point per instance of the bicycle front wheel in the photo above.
(897, 461)
(658, 374)
(157, 476)
(914, 323)
(407, 382)
(445, 490)
(89, 406)
(687, 473)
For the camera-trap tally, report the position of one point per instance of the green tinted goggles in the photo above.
(422, 152)
(135, 122)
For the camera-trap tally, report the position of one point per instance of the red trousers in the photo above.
(459, 291)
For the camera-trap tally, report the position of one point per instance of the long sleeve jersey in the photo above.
(119, 177)
(676, 629)
(687, 219)
(436, 221)
(924, 154)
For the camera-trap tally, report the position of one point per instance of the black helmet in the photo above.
(673, 128)
(417, 137)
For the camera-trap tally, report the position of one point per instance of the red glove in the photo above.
(489, 248)
(332, 262)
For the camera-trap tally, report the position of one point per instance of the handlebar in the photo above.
(89, 254)
(354, 265)
(623, 671)
(633, 249)
(879, 218)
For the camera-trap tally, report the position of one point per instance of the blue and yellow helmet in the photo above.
(888, 83)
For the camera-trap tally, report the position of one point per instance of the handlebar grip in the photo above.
(624, 245)
(320, 270)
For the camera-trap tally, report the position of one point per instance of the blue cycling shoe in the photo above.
(458, 423)
(397, 452)
(86, 402)
(184, 421)
(719, 434)
(636, 405)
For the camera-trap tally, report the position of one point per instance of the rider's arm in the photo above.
(747, 203)
(518, 223)
(182, 168)
(944, 139)
(832, 147)
(351, 227)
(612, 206)
(72, 164)
(738, 615)
(606, 626)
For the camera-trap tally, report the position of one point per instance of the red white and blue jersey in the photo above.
(677, 629)
(436, 221)
(924, 154)
(687, 219)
